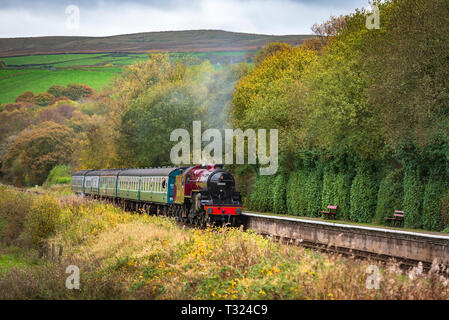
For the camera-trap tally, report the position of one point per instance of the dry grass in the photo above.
(132, 256)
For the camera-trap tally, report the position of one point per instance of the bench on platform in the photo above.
(397, 218)
(332, 211)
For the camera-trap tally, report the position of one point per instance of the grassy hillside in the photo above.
(185, 41)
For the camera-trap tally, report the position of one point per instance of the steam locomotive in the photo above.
(199, 195)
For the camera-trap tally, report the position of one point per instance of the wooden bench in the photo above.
(397, 218)
(332, 211)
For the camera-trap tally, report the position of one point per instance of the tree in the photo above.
(43, 99)
(59, 113)
(409, 69)
(271, 49)
(329, 28)
(36, 151)
(27, 96)
(262, 98)
(56, 90)
(146, 126)
(77, 91)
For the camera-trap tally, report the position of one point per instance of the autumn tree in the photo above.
(27, 96)
(271, 49)
(59, 113)
(36, 151)
(56, 90)
(77, 91)
(43, 99)
(262, 98)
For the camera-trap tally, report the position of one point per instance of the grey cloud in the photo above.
(110, 17)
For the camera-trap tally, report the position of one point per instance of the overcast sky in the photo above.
(25, 18)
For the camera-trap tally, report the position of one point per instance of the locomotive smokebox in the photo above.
(221, 184)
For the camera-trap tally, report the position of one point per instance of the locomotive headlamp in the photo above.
(210, 210)
(238, 210)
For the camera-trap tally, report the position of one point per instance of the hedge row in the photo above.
(364, 193)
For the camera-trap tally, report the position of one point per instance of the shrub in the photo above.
(63, 180)
(77, 91)
(12, 106)
(296, 200)
(390, 195)
(27, 96)
(342, 194)
(261, 199)
(61, 173)
(304, 192)
(42, 219)
(434, 192)
(363, 194)
(56, 90)
(313, 188)
(413, 196)
(44, 99)
(13, 207)
(279, 194)
(328, 196)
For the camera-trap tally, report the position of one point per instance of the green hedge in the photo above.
(343, 182)
(279, 194)
(304, 187)
(261, 198)
(313, 192)
(390, 195)
(413, 196)
(304, 192)
(363, 197)
(60, 174)
(328, 196)
(296, 194)
(433, 214)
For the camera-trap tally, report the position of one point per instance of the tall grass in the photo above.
(127, 256)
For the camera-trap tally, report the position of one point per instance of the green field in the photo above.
(37, 73)
(15, 83)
